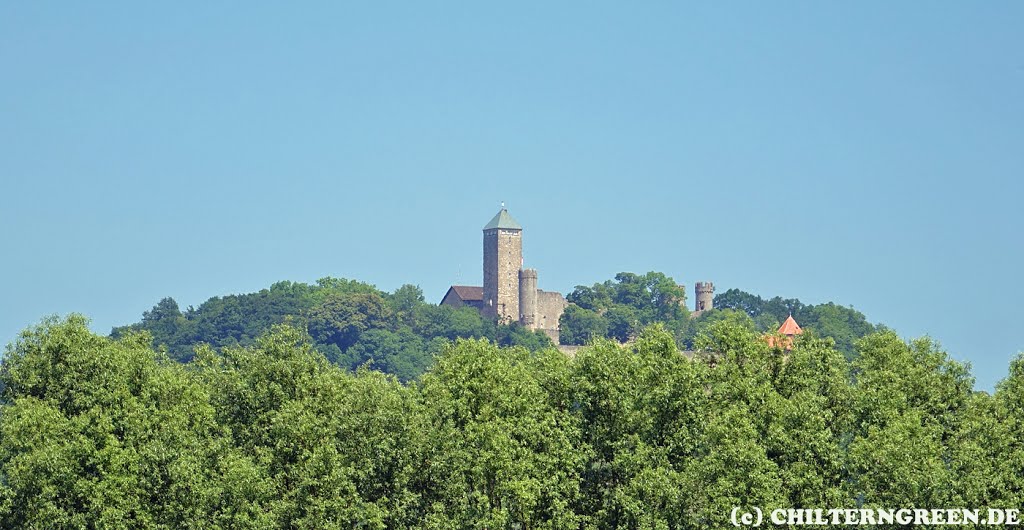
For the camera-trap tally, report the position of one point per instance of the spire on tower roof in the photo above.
(503, 220)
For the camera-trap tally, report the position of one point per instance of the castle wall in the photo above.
(528, 298)
(503, 256)
(550, 306)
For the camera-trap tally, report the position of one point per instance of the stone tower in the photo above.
(528, 298)
(705, 292)
(503, 257)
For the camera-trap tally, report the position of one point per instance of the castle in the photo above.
(510, 292)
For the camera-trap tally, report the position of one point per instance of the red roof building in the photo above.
(788, 329)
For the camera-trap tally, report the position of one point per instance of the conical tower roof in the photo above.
(503, 220)
(790, 327)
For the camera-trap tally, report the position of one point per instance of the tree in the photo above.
(703, 322)
(341, 318)
(596, 298)
(96, 431)
(985, 456)
(741, 301)
(339, 448)
(515, 334)
(623, 323)
(500, 454)
(580, 326)
(405, 302)
(101, 432)
(1005, 447)
(844, 324)
(909, 402)
(168, 327)
(812, 417)
(731, 469)
(450, 323)
(626, 305)
(640, 410)
(400, 353)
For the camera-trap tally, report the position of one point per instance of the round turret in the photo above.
(705, 292)
(528, 298)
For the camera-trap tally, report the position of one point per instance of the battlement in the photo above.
(527, 273)
(704, 287)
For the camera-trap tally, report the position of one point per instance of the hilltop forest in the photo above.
(354, 324)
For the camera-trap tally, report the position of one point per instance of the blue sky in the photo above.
(865, 153)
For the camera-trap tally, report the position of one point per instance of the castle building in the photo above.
(789, 330)
(509, 293)
(463, 295)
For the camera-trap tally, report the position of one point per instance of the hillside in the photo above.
(355, 324)
(351, 323)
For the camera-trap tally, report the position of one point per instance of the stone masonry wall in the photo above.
(528, 298)
(550, 306)
(503, 256)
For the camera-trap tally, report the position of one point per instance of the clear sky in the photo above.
(867, 153)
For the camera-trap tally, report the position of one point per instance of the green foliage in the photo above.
(640, 409)
(581, 326)
(620, 309)
(778, 308)
(335, 447)
(1004, 445)
(105, 433)
(101, 432)
(228, 320)
(702, 323)
(402, 329)
(501, 451)
(352, 323)
(908, 410)
(401, 353)
(340, 319)
(843, 324)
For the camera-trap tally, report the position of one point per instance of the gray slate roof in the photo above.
(503, 220)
